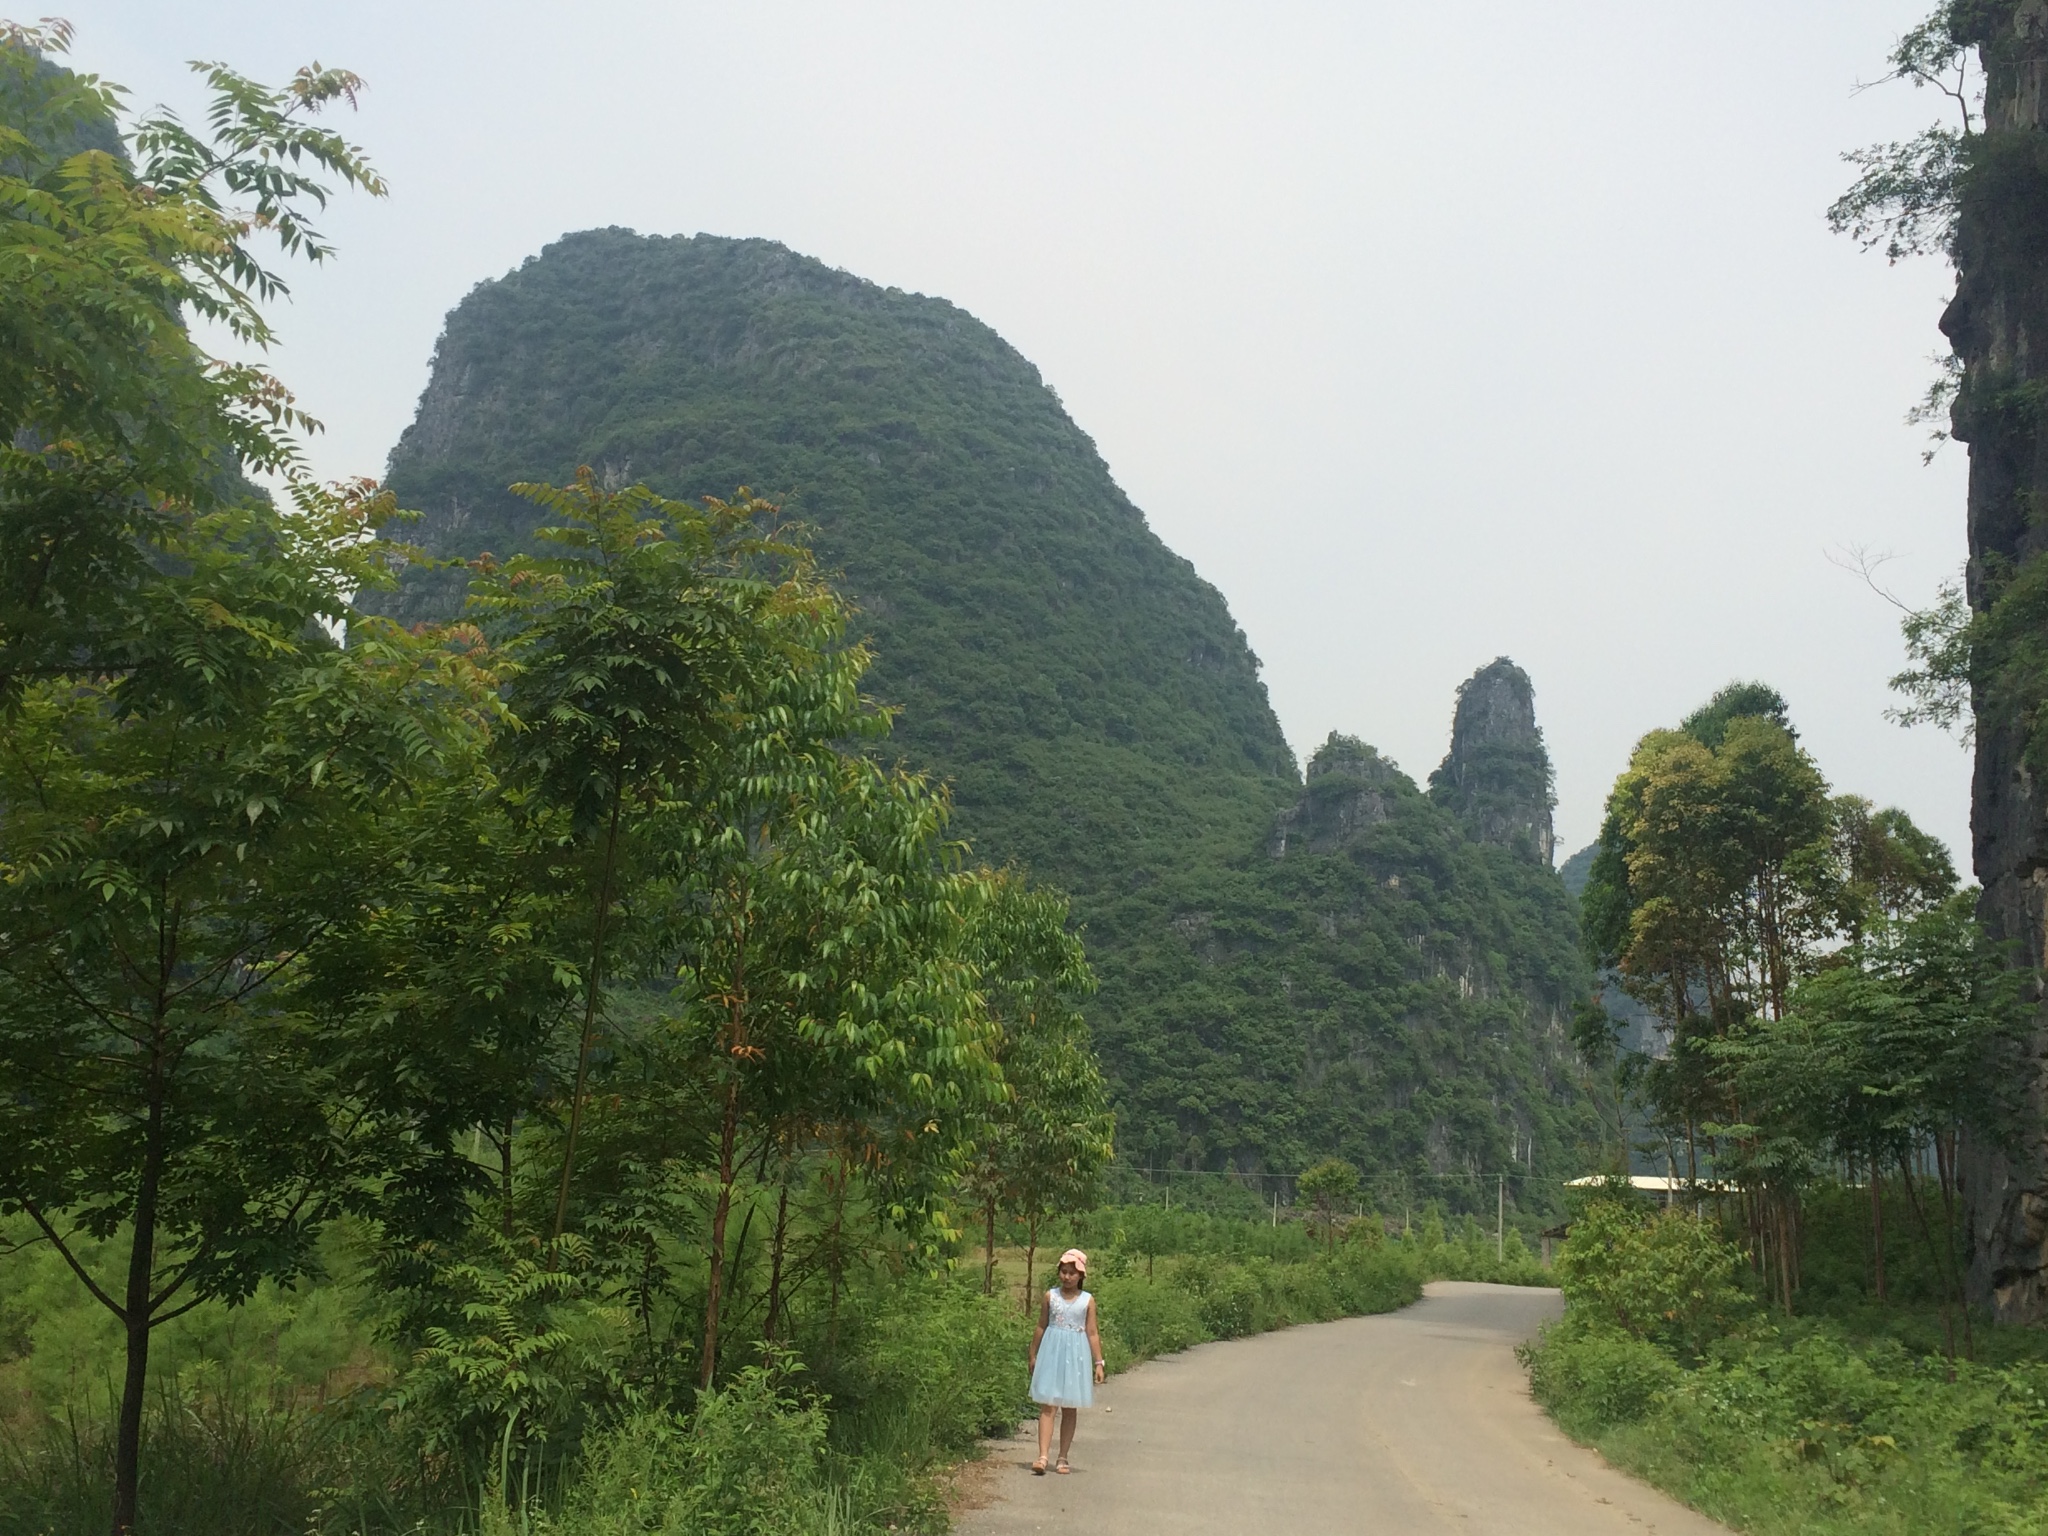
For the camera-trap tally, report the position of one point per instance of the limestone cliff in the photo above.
(1496, 778)
(1996, 323)
(1349, 788)
(1393, 984)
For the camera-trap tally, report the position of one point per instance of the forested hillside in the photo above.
(1391, 995)
(1088, 695)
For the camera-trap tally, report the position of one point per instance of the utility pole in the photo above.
(1500, 1218)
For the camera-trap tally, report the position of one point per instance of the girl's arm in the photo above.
(1095, 1339)
(1044, 1316)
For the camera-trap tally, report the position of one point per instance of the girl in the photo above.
(1066, 1340)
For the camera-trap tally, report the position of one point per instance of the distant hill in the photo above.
(1639, 1031)
(1276, 984)
(1578, 869)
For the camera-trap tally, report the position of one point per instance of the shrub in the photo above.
(1594, 1377)
(1141, 1318)
(1231, 1304)
(936, 1369)
(750, 1461)
(226, 1457)
(1375, 1279)
(1667, 1276)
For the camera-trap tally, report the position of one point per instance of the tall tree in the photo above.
(1890, 868)
(179, 732)
(191, 1065)
(1328, 1187)
(1715, 884)
(1045, 1142)
(1908, 1035)
(113, 422)
(627, 649)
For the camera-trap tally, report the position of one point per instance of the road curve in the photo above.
(1415, 1421)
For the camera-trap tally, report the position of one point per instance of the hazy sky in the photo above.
(1428, 333)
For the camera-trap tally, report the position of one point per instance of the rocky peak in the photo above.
(1348, 786)
(1497, 778)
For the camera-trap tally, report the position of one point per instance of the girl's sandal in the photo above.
(1038, 1467)
(1061, 1467)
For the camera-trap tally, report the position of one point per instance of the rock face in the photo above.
(1999, 314)
(1349, 788)
(1995, 324)
(1497, 777)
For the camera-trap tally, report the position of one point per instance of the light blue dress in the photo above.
(1065, 1374)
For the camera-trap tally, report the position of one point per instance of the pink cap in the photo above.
(1077, 1258)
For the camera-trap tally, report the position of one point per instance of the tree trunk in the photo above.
(1781, 1242)
(591, 994)
(835, 1257)
(1948, 1327)
(1944, 1168)
(1030, 1263)
(988, 1264)
(128, 1435)
(136, 1299)
(1995, 323)
(505, 1174)
(1877, 1227)
(776, 1250)
(728, 1136)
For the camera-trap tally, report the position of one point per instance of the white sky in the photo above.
(1428, 332)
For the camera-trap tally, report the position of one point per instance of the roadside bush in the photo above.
(1666, 1276)
(1800, 1432)
(1142, 1318)
(1593, 1378)
(1207, 1296)
(1231, 1300)
(1375, 1278)
(935, 1369)
(750, 1461)
(1849, 1421)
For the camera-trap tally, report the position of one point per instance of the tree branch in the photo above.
(70, 1258)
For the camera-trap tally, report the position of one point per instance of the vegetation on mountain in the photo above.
(1496, 779)
(1083, 691)
(1389, 988)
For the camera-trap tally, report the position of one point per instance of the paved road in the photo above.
(1417, 1421)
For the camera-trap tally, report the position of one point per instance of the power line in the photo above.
(1228, 1173)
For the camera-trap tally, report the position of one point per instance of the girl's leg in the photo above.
(1045, 1418)
(1069, 1418)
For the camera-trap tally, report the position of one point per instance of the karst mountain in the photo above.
(1291, 966)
